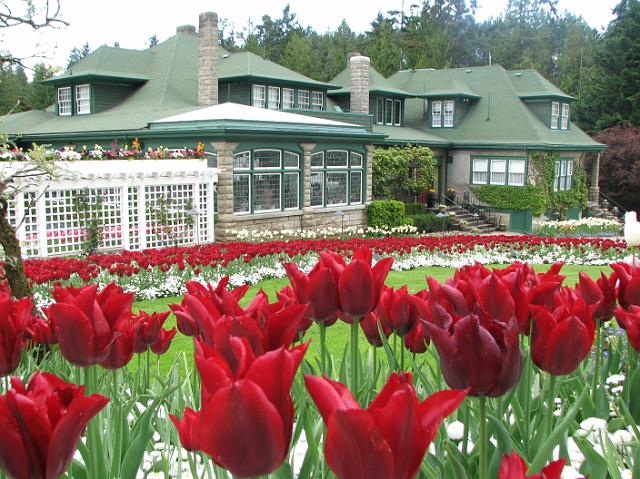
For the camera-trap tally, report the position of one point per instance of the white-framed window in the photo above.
(380, 111)
(480, 174)
(288, 98)
(317, 100)
(303, 99)
(516, 172)
(336, 178)
(555, 114)
(563, 175)
(448, 114)
(83, 99)
(388, 112)
(498, 172)
(266, 180)
(258, 96)
(397, 112)
(436, 114)
(564, 124)
(64, 101)
(274, 98)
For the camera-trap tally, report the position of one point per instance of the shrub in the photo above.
(429, 222)
(387, 213)
(411, 209)
(402, 171)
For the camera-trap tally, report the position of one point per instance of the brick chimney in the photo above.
(208, 59)
(359, 70)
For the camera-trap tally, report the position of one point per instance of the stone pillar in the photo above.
(369, 191)
(594, 189)
(306, 221)
(359, 74)
(226, 217)
(208, 59)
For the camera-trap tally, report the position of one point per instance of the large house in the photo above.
(293, 152)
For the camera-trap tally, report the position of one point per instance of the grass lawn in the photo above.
(338, 334)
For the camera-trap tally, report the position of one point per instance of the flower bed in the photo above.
(541, 380)
(156, 273)
(582, 227)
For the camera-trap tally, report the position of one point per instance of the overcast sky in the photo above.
(132, 22)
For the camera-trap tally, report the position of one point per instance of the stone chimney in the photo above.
(208, 59)
(359, 70)
(190, 29)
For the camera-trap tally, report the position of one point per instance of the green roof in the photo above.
(530, 84)
(377, 84)
(499, 118)
(406, 134)
(449, 89)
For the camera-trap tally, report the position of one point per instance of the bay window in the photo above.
(336, 178)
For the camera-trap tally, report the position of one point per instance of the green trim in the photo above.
(342, 169)
(498, 157)
(268, 145)
(442, 100)
(96, 77)
(359, 148)
(263, 79)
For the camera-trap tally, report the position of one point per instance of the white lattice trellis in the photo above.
(137, 204)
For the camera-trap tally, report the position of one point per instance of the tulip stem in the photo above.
(550, 405)
(401, 356)
(465, 432)
(354, 357)
(323, 348)
(483, 438)
(94, 434)
(596, 373)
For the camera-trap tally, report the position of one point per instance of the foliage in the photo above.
(402, 172)
(430, 223)
(415, 208)
(386, 213)
(582, 227)
(88, 210)
(78, 54)
(620, 165)
(163, 217)
(538, 196)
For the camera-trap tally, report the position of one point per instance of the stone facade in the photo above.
(359, 95)
(208, 59)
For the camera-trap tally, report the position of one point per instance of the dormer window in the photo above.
(317, 100)
(388, 111)
(258, 97)
(83, 100)
(436, 114)
(64, 101)
(448, 114)
(559, 116)
(564, 123)
(442, 113)
(555, 114)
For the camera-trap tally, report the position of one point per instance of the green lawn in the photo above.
(338, 334)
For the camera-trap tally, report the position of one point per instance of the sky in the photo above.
(132, 22)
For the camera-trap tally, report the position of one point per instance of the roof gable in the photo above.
(377, 84)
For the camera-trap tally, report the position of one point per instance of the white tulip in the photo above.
(631, 229)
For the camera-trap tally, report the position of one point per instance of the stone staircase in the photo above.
(467, 222)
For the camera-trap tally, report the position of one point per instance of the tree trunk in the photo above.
(13, 266)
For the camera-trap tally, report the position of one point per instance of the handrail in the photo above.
(483, 212)
(612, 202)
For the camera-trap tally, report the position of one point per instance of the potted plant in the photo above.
(451, 194)
(432, 197)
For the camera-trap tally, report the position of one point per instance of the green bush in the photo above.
(387, 213)
(411, 209)
(430, 223)
(528, 197)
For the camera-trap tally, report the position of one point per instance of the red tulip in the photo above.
(369, 326)
(387, 440)
(147, 329)
(630, 322)
(629, 284)
(41, 424)
(318, 290)
(396, 310)
(483, 355)
(246, 420)
(15, 318)
(164, 341)
(186, 428)
(562, 338)
(600, 294)
(417, 340)
(514, 467)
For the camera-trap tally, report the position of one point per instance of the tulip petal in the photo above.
(356, 289)
(13, 456)
(242, 431)
(322, 292)
(495, 299)
(66, 433)
(438, 406)
(75, 335)
(355, 447)
(329, 395)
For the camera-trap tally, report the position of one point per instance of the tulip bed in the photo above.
(507, 372)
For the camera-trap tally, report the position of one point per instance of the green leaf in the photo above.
(141, 435)
(544, 453)
(594, 465)
(634, 395)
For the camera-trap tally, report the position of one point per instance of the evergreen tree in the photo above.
(384, 47)
(153, 40)
(39, 96)
(14, 87)
(78, 54)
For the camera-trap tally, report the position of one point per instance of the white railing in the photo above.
(133, 204)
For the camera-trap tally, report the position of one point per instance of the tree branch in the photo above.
(35, 18)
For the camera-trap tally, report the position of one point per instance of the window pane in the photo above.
(317, 160)
(317, 100)
(317, 189)
(555, 113)
(266, 192)
(356, 160)
(266, 159)
(480, 171)
(380, 111)
(337, 158)
(291, 160)
(355, 195)
(336, 188)
(498, 172)
(303, 99)
(64, 101)
(291, 190)
(388, 112)
(448, 113)
(516, 172)
(397, 112)
(565, 116)
(288, 98)
(436, 113)
(83, 105)
(241, 192)
(274, 98)
(242, 160)
(258, 94)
